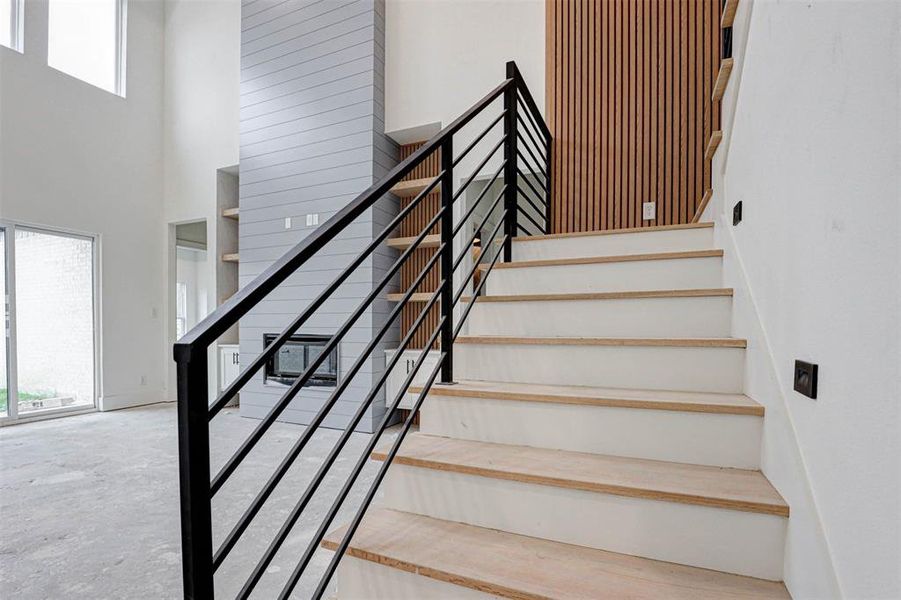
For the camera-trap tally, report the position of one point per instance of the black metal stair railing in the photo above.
(523, 201)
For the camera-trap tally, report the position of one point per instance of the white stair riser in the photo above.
(637, 317)
(700, 369)
(360, 579)
(714, 538)
(688, 437)
(678, 240)
(638, 276)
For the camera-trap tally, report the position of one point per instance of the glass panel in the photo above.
(54, 321)
(83, 40)
(4, 365)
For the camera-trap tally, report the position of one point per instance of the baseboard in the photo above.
(130, 400)
(809, 562)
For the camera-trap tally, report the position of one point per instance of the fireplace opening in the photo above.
(295, 355)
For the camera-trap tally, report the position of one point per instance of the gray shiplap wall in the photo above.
(312, 138)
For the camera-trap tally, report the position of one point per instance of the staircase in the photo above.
(595, 444)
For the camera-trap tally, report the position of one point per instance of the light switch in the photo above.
(312, 219)
(287, 222)
(648, 210)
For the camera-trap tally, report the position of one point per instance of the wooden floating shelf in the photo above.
(230, 213)
(402, 243)
(417, 297)
(705, 200)
(231, 257)
(715, 138)
(408, 189)
(728, 13)
(722, 79)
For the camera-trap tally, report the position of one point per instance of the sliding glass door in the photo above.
(50, 350)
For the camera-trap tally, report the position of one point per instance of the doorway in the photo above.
(48, 361)
(192, 279)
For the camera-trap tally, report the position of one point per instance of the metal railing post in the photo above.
(194, 474)
(447, 259)
(510, 156)
(547, 187)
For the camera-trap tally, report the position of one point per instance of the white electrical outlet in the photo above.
(287, 222)
(648, 210)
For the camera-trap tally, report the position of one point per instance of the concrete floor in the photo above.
(89, 505)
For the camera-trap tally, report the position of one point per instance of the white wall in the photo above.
(441, 56)
(76, 157)
(814, 157)
(200, 125)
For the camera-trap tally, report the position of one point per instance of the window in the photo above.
(296, 355)
(86, 40)
(11, 24)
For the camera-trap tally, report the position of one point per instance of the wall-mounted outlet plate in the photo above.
(736, 213)
(806, 378)
(648, 210)
(287, 222)
(312, 219)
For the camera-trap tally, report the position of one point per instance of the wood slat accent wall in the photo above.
(628, 102)
(412, 226)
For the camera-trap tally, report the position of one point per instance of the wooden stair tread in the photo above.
(231, 257)
(402, 243)
(728, 17)
(557, 236)
(712, 144)
(603, 341)
(706, 402)
(722, 79)
(734, 489)
(694, 293)
(705, 199)
(411, 187)
(516, 566)
(231, 213)
(416, 297)
(590, 260)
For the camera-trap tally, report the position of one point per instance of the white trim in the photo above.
(724, 224)
(121, 46)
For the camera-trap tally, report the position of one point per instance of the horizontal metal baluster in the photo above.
(473, 143)
(465, 251)
(532, 120)
(292, 391)
(531, 187)
(478, 199)
(246, 374)
(477, 170)
(364, 458)
(537, 208)
(531, 220)
(301, 443)
(537, 170)
(526, 96)
(478, 289)
(226, 315)
(297, 511)
(529, 136)
(475, 266)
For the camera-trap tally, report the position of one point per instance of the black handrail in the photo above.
(199, 561)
